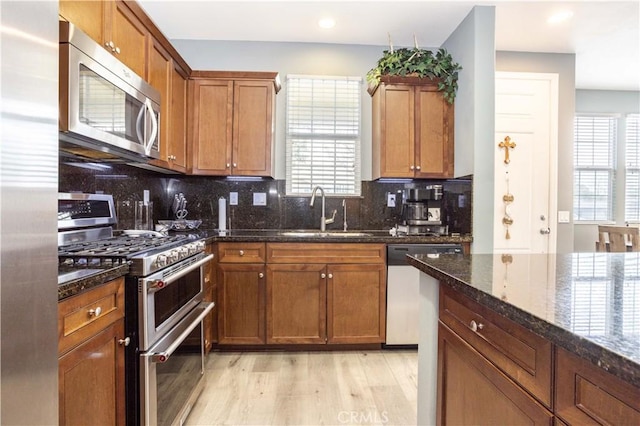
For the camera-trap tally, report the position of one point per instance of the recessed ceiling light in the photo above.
(327, 23)
(559, 17)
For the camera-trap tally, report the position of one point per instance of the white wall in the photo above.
(610, 102)
(472, 45)
(564, 66)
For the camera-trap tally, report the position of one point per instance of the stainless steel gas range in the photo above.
(164, 307)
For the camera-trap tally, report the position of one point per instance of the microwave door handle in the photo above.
(154, 128)
(139, 122)
(160, 357)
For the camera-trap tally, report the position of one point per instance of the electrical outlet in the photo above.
(391, 200)
(233, 198)
(259, 198)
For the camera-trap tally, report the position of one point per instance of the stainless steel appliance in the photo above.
(107, 112)
(403, 290)
(422, 212)
(28, 188)
(164, 307)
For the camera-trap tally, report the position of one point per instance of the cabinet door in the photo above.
(587, 395)
(296, 303)
(394, 153)
(129, 36)
(253, 127)
(356, 303)
(159, 76)
(88, 16)
(241, 303)
(434, 134)
(472, 391)
(91, 380)
(178, 116)
(211, 131)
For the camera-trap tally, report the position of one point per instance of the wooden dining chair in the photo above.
(618, 238)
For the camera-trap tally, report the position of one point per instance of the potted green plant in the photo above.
(416, 62)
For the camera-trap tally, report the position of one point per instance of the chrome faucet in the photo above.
(323, 220)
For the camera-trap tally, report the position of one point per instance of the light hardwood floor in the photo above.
(309, 388)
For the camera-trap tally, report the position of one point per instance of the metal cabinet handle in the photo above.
(475, 326)
(323, 275)
(235, 164)
(417, 167)
(260, 275)
(228, 165)
(117, 50)
(95, 312)
(412, 168)
(125, 341)
(241, 252)
(330, 275)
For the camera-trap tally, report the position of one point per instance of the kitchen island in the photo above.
(563, 330)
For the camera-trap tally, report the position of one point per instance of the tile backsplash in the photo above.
(370, 211)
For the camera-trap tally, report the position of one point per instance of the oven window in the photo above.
(178, 376)
(173, 297)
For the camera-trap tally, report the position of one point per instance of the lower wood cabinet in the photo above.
(588, 395)
(91, 356)
(472, 391)
(314, 301)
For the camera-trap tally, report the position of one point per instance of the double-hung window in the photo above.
(632, 169)
(594, 167)
(323, 135)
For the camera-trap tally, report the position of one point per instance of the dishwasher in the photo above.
(403, 291)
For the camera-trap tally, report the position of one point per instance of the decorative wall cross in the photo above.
(506, 144)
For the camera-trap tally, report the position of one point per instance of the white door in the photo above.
(527, 113)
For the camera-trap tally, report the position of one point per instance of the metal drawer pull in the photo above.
(95, 312)
(260, 275)
(330, 275)
(241, 253)
(323, 275)
(475, 326)
(125, 341)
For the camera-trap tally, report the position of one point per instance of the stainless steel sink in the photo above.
(320, 234)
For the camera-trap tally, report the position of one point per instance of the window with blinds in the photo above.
(632, 169)
(323, 135)
(594, 167)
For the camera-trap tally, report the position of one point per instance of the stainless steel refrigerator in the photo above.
(28, 207)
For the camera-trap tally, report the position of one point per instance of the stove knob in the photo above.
(174, 256)
(161, 261)
(184, 252)
(200, 245)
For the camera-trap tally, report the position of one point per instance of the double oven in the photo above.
(164, 304)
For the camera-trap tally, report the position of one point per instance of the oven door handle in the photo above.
(156, 285)
(163, 356)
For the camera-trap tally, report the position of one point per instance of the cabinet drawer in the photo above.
(82, 316)
(588, 395)
(241, 253)
(325, 253)
(519, 353)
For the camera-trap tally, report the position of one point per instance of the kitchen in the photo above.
(156, 185)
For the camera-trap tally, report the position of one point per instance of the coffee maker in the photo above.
(422, 212)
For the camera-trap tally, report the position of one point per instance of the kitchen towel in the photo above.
(222, 213)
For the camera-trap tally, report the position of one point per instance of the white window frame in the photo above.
(330, 134)
(588, 147)
(632, 169)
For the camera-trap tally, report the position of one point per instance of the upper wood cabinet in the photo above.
(168, 77)
(232, 123)
(114, 26)
(412, 130)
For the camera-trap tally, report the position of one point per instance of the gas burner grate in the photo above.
(122, 246)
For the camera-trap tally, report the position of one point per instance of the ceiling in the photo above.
(604, 35)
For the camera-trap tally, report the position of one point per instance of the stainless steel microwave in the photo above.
(107, 112)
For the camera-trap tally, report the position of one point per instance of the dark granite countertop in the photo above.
(586, 303)
(74, 280)
(331, 236)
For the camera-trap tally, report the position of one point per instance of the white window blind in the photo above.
(594, 167)
(323, 134)
(632, 172)
(590, 294)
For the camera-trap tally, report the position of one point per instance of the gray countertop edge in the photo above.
(607, 359)
(74, 287)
